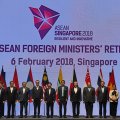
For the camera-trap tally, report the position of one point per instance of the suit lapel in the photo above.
(88, 89)
(100, 89)
(74, 91)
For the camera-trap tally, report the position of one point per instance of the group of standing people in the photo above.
(11, 95)
(103, 96)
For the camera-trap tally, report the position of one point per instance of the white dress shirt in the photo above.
(23, 90)
(49, 91)
(62, 91)
(89, 89)
(75, 90)
(37, 87)
(11, 89)
(102, 89)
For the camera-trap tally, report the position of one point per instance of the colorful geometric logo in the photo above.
(44, 19)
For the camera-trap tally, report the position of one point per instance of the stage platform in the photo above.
(57, 118)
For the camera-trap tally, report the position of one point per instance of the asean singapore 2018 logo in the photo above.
(44, 19)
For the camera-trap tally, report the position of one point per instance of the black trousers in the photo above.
(11, 105)
(1, 108)
(64, 104)
(37, 104)
(49, 106)
(113, 108)
(89, 109)
(23, 104)
(102, 105)
(76, 108)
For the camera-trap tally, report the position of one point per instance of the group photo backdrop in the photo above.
(45, 30)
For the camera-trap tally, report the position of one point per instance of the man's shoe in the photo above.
(74, 116)
(12, 116)
(91, 116)
(21, 116)
(105, 117)
(8, 116)
(34, 116)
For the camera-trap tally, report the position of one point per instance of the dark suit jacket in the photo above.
(11, 97)
(23, 97)
(102, 97)
(37, 94)
(2, 96)
(89, 96)
(51, 97)
(75, 97)
(65, 97)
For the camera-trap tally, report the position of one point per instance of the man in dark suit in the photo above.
(102, 97)
(11, 96)
(49, 99)
(2, 99)
(37, 96)
(75, 98)
(23, 97)
(89, 99)
(62, 97)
